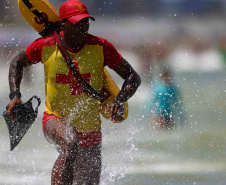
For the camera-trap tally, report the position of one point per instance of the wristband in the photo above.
(13, 94)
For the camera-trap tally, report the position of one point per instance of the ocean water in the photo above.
(133, 152)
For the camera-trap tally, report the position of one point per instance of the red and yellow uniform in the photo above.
(64, 96)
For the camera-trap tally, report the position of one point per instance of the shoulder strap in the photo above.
(86, 87)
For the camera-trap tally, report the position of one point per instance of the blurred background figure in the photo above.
(166, 104)
(167, 108)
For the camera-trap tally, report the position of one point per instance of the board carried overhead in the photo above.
(29, 10)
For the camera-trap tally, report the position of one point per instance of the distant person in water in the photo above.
(167, 105)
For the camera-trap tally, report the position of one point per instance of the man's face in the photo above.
(78, 31)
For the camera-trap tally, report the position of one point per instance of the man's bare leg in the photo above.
(88, 166)
(64, 137)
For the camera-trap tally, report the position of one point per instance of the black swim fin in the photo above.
(25, 116)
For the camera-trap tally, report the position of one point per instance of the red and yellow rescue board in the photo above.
(51, 14)
(42, 6)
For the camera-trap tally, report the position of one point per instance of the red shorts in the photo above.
(86, 139)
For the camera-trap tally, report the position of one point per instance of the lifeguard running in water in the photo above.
(72, 120)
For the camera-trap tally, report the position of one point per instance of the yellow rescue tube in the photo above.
(42, 6)
(113, 89)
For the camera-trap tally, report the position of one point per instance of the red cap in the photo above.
(73, 11)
